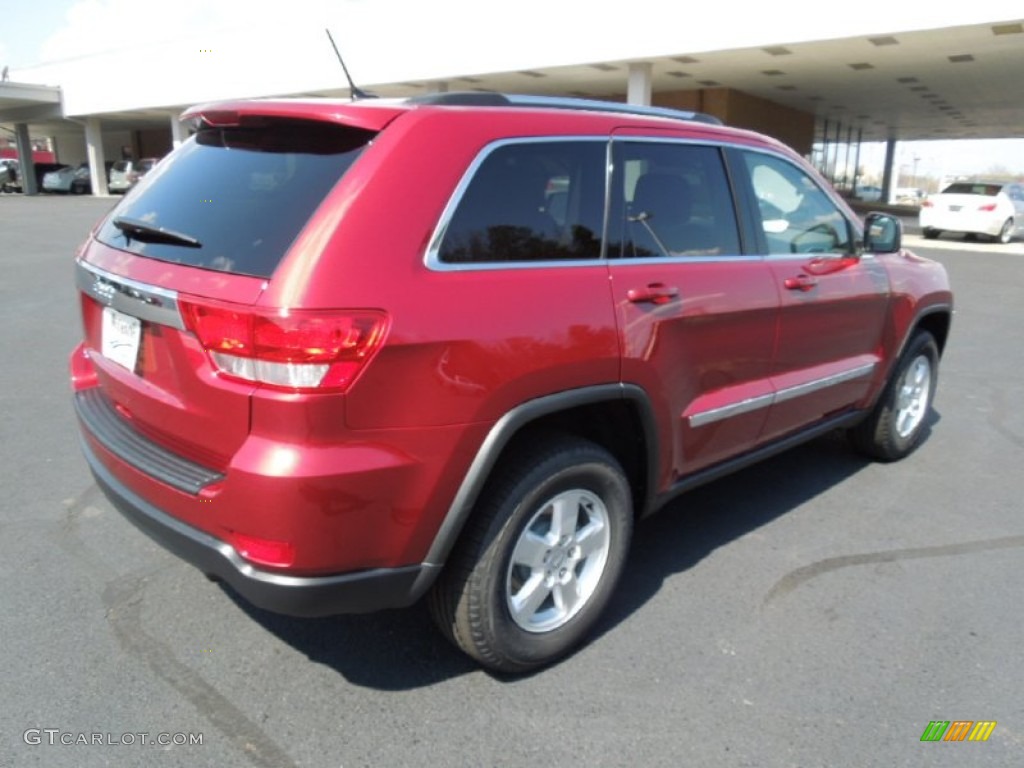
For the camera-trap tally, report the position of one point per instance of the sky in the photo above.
(946, 159)
(47, 30)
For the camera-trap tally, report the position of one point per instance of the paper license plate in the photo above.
(121, 336)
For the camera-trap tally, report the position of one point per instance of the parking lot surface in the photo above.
(815, 610)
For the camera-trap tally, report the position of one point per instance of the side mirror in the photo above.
(882, 233)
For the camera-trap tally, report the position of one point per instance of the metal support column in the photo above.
(890, 161)
(639, 88)
(97, 160)
(26, 167)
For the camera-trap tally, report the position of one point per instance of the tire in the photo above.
(931, 233)
(539, 558)
(1006, 233)
(898, 422)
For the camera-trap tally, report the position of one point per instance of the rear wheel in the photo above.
(930, 233)
(1006, 233)
(896, 425)
(540, 557)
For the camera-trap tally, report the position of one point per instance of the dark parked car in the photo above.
(343, 356)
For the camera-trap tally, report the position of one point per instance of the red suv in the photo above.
(345, 355)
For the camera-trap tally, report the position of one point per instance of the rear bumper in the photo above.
(356, 592)
(982, 224)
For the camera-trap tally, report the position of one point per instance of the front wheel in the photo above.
(895, 426)
(539, 559)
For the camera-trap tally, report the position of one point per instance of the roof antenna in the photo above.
(356, 91)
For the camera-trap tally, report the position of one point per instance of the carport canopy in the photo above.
(21, 104)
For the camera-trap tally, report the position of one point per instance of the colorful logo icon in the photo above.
(958, 730)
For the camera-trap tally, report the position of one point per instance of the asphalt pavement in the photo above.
(815, 610)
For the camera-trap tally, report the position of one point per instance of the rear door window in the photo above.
(529, 201)
(238, 196)
(672, 199)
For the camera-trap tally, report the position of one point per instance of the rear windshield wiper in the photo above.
(134, 229)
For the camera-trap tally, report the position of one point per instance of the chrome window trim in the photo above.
(432, 259)
(739, 258)
(433, 262)
(789, 393)
(146, 302)
(818, 256)
(490, 266)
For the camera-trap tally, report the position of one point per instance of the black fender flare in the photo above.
(497, 440)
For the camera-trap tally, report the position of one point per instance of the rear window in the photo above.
(239, 195)
(966, 188)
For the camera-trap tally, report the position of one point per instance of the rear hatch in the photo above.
(170, 280)
(966, 197)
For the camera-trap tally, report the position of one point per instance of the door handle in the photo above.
(654, 293)
(800, 283)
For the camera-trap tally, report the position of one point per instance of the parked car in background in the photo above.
(327, 391)
(992, 209)
(909, 195)
(9, 181)
(42, 169)
(868, 193)
(125, 174)
(69, 180)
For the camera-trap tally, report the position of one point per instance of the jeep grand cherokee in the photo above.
(345, 355)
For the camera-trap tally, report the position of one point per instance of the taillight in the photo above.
(297, 350)
(987, 207)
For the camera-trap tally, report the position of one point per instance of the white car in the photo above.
(125, 174)
(68, 179)
(994, 209)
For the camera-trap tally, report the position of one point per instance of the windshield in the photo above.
(242, 192)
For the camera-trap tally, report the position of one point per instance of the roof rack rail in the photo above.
(483, 99)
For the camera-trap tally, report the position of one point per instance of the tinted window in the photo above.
(797, 216)
(242, 192)
(530, 201)
(672, 200)
(968, 188)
